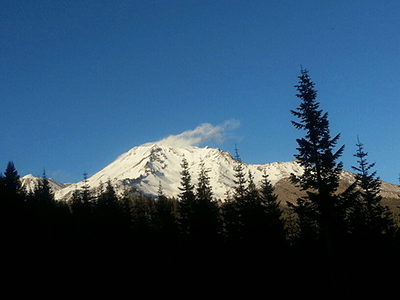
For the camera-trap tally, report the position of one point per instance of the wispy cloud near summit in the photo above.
(201, 134)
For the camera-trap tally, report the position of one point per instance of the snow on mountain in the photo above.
(145, 166)
(29, 182)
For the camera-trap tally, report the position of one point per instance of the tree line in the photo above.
(338, 244)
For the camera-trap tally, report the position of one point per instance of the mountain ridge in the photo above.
(145, 166)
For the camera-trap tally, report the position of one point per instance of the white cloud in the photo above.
(201, 134)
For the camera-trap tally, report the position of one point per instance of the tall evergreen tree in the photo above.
(86, 194)
(82, 198)
(251, 215)
(369, 217)
(204, 190)
(230, 209)
(187, 198)
(14, 217)
(12, 191)
(12, 195)
(268, 197)
(240, 179)
(316, 150)
(275, 227)
(230, 221)
(206, 211)
(317, 155)
(82, 210)
(43, 192)
(165, 230)
(43, 207)
(164, 218)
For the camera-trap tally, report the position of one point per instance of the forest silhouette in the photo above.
(103, 244)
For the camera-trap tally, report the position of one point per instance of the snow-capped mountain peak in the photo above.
(145, 166)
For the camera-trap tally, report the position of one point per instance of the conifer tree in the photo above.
(107, 206)
(14, 219)
(230, 220)
(160, 191)
(269, 199)
(165, 223)
(43, 192)
(44, 208)
(204, 190)
(317, 156)
(321, 213)
(251, 215)
(187, 198)
(368, 216)
(110, 218)
(206, 212)
(11, 186)
(240, 179)
(12, 195)
(82, 209)
(82, 198)
(127, 206)
(86, 194)
(231, 209)
(252, 194)
(316, 150)
(164, 212)
(275, 227)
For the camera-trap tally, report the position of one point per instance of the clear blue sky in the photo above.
(81, 82)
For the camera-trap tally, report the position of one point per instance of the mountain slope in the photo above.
(145, 166)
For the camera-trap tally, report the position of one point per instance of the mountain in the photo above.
(145, 166)
(29, 182)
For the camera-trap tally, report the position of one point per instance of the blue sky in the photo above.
(81, 82)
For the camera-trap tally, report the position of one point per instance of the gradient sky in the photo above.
(81, 82)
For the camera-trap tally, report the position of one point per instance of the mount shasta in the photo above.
(147, 166)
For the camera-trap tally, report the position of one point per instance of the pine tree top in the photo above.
(316, 149)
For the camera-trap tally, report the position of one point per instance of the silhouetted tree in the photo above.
(250, 212)
(126, 200)
(275, 227)
(240, 179)
(320, 178)
(230, 221)
(317, 156)
(12, 205)
(43, 192)
(12, 192)
(230, 209)
(86, 197)
(204, 190)
(165, 218)
(369, 217)
(187, 198)
(206, 212)
(82, 210)
(43, 207)
(165, 232)
(109, 215)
